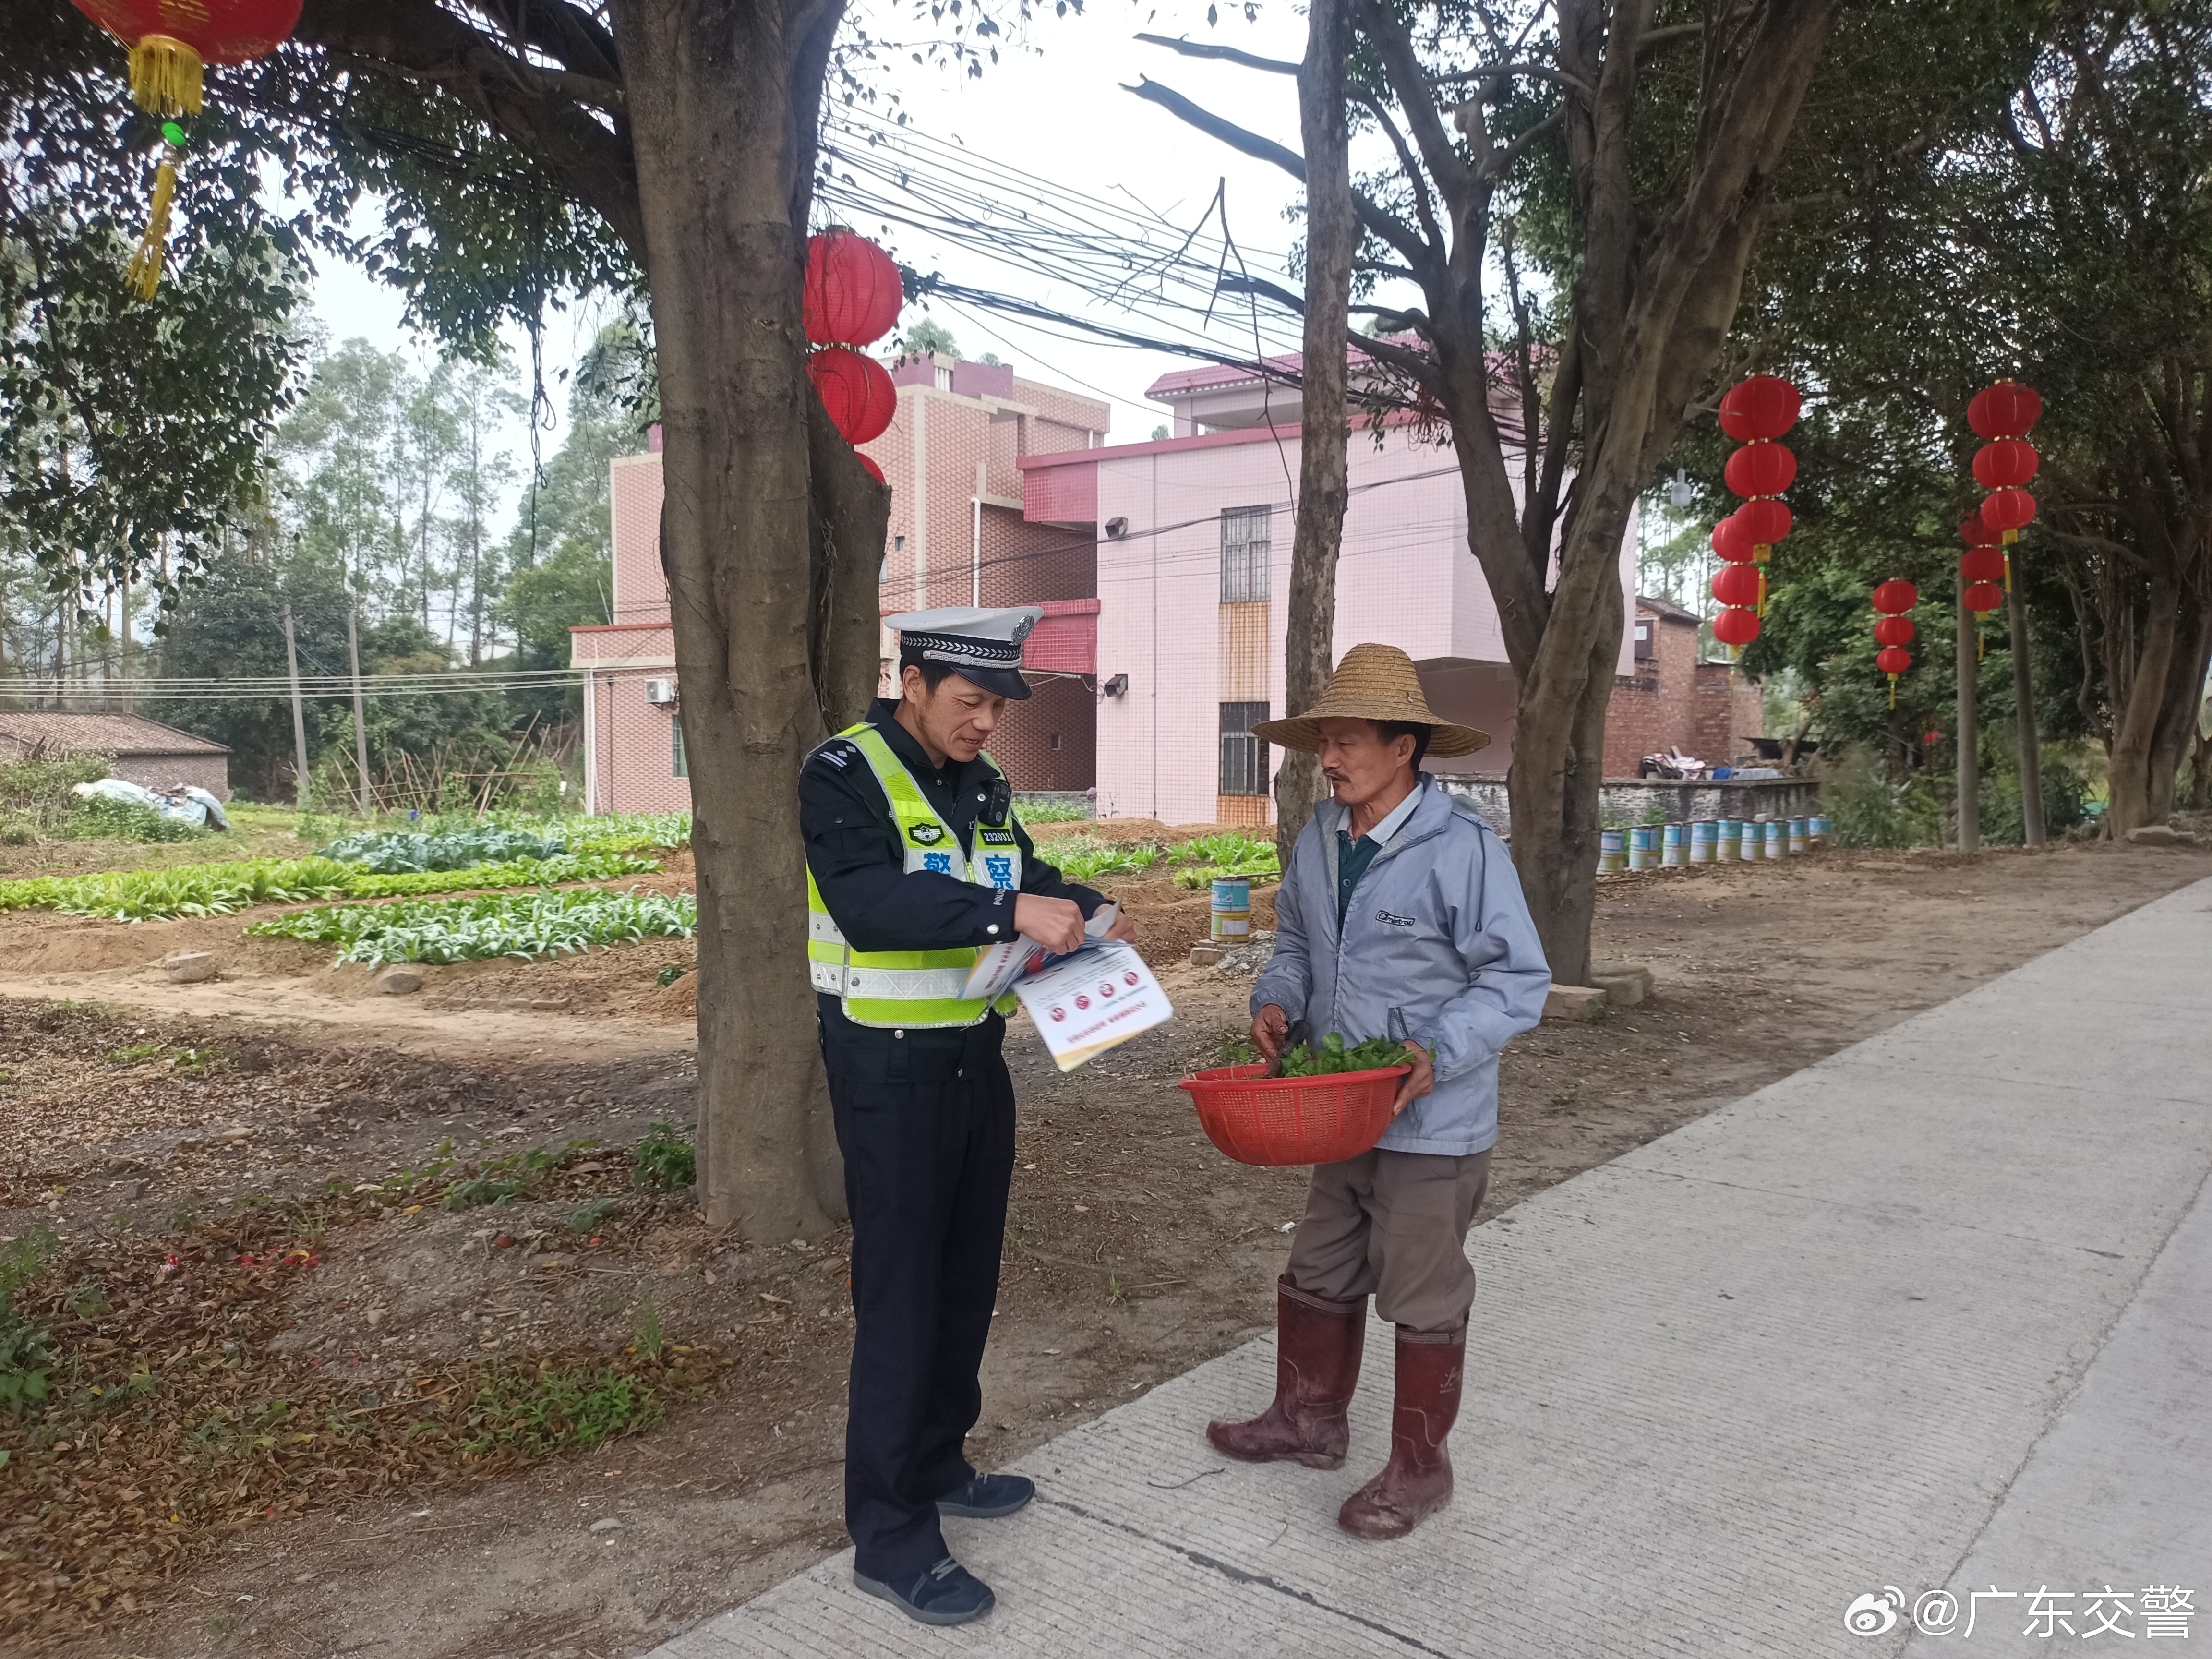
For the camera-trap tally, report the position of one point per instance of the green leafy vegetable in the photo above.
(494, 925)
(1332, 1057)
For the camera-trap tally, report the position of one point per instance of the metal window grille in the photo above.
(675, 747)
(1244, 547)
(1243, 756)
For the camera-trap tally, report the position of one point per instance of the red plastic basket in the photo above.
(1293, 1120)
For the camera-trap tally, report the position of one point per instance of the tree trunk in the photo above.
(2023, 696)
(1970, 731)
(765, 539)
(1332, 237)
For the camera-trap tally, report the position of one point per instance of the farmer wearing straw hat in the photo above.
(1398, 915)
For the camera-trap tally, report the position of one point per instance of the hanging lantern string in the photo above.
(144, 274)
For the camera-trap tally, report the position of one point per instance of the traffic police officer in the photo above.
(915, 858)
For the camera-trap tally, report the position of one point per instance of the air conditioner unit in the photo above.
(661, 693)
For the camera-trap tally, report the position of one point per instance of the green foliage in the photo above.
(1031, 810)
(669, 974)
(645, 1327)
(540, 1414)
(587, 1216)
(495, 925)
(27, 1356)
(1230, 852)
(37, 789)
(102, 817)
(1333, 1056)
(665, 1158)
(389, 851)
(1865, 809)
(221, 889)
(1081, 859)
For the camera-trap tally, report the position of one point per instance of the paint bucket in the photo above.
(1777, 837)
(1705, 840)
(1818, 829)
(1232, 907)
(1754, 839)
(1801, 840)
(1643, 850)
(1612, 851)
(1673, 846)
(1730, 840)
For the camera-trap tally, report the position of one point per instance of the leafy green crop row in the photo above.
(1230, 853)
(495, 925)
(391, 852)
(218, 890)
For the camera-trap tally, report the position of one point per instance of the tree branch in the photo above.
(1226, 54)
(424, 42)
(1237, 138)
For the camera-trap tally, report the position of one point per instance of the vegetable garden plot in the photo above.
(495, 925)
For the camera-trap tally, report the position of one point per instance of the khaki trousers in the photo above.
(1393, 1225)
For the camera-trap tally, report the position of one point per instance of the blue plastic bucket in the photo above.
(1642, 848)
(1232, 907)
(1818, 829)
(1777, 837)
(1705, 840)
(1673, 847)
(1731, 840)
(1801, 840)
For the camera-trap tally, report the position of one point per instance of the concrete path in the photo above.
(1936, 1312)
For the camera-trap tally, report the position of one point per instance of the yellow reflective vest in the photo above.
(911, 989)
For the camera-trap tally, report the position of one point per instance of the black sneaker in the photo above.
(948, 1593)
(987, 1497)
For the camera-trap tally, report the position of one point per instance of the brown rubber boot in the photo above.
(1417, 1481)
(1317, 1345)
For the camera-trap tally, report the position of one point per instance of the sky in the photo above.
(1049, 117)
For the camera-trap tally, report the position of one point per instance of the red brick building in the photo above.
(1670, 700)
(957, 535)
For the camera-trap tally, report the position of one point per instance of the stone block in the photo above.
(1573, 1002)
(399, 978)
(1206, 955)
(1624, 985)
(188, 967)
(2160, 835)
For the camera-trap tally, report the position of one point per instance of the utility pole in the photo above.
(298, 715)
(359, 719)
(1970, 775)
(2023, 696)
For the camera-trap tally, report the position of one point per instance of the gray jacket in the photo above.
(1436, 927)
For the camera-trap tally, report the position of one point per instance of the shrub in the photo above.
(36, 788)
(102, 817)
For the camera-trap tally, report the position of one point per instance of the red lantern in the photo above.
(852, 295)
(1893, 660)
(1981, 597)
(1975, 533)
(2006, 410)
(1737, 584)
(2008, 509)
(857, 391)
(1892, 630)
(1981, 564)
(1895, 597)
(1736, 626)
(1761, 469)
(1765, 519)
(1733, 543)
(1761, 407)
(171, 43)
(869, 466)
(2005, 463)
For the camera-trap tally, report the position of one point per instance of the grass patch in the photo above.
(540, 1414)
(494, 925)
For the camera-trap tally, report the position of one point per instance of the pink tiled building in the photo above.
(958, 535)
(1194, 577)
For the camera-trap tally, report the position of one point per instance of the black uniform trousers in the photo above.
(926, 1123)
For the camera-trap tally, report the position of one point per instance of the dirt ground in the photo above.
(1134, 1250)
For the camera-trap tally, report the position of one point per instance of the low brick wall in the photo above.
(1631, 800)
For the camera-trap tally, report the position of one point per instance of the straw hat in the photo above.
(1373, 682)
